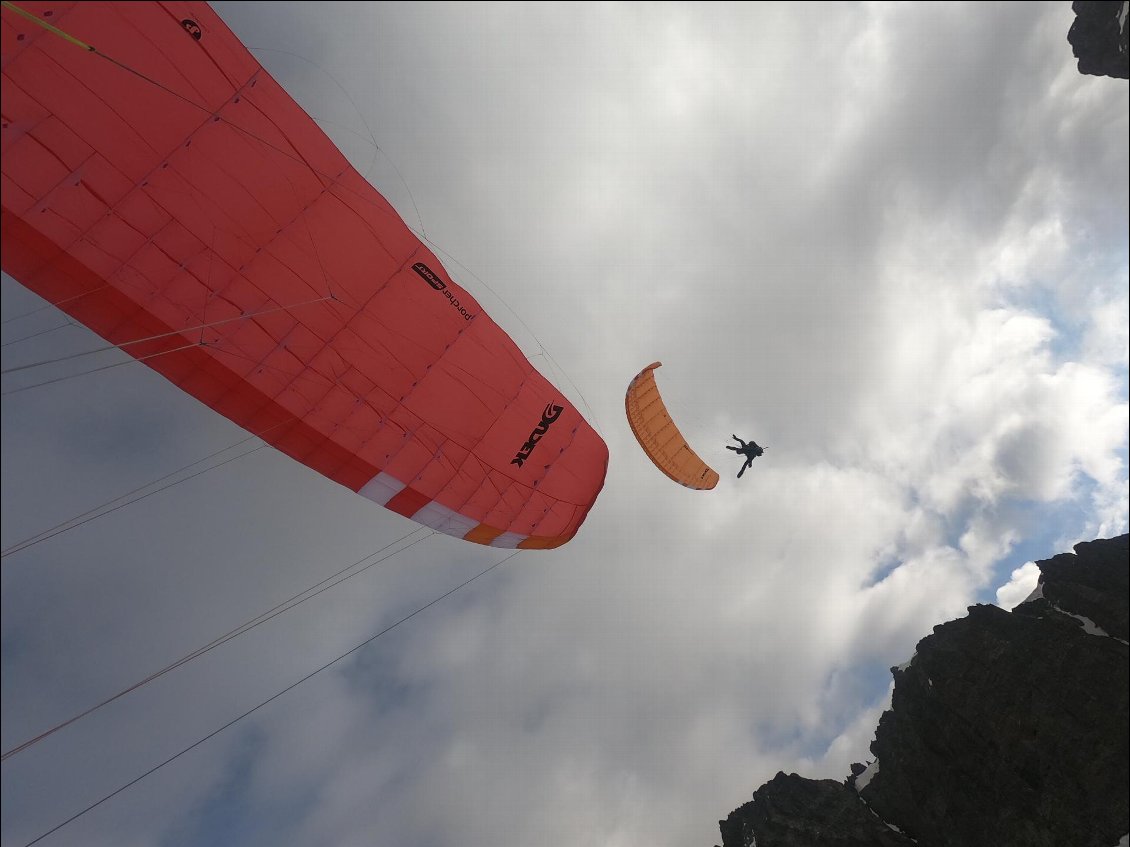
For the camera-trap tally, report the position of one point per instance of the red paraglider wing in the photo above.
(160, 187)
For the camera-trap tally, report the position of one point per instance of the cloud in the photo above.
(1020, 585)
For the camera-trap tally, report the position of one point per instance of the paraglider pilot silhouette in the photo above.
(750, 450)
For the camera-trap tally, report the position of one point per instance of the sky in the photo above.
(887, 241)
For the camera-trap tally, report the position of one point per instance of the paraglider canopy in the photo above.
(171, 196)
(660, 439)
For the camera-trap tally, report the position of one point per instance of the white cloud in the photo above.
(1021, 583)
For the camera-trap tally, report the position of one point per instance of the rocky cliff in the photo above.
(1098, 38)
(1006, 728)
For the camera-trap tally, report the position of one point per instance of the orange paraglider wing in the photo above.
(160, 187)
(660, 438)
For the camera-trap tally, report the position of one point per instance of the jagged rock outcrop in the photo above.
(1007, 728)
(1098, 38)
(791, 811)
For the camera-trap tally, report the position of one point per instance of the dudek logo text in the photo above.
(432, 278)
(550, 414)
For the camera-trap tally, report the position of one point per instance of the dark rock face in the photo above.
(1007, 728)
(791, 811)
(1098, 38)
(1094, 583)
